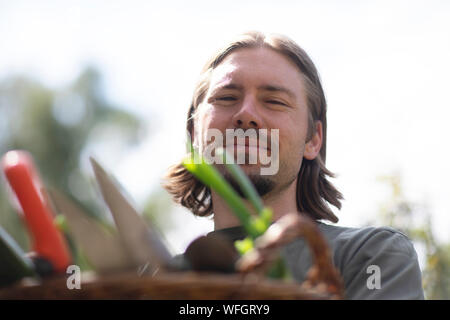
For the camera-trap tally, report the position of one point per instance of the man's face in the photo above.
(259, 88)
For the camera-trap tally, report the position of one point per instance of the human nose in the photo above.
(248, 116)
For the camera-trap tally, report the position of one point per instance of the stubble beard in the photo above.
(263, 184)
(266, 186)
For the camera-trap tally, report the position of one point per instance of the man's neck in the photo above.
(281, 202)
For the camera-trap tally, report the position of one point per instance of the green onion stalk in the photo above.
(255, 225)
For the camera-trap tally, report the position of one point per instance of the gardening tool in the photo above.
(133, 245)
(48, 243)
(14, 265)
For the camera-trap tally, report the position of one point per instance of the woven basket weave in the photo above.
(183, 285)
(323, 280)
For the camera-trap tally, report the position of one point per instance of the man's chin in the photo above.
(262, 184)
(251, 169)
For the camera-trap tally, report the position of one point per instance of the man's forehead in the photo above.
(249, 65)
(224, 74)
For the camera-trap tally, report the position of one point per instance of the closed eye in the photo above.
(226, 98)
(276, 102)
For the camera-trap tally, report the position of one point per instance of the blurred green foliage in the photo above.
(414, 219)
(56, 126)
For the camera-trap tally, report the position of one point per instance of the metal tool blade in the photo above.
(140, 239)
(104, 251)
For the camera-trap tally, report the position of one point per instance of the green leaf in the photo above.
(243, 246)
(279, 270)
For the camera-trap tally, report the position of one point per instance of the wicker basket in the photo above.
(174, 286)
(323, 281)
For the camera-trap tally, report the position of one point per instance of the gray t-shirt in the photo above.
(375, 263)
(361, 255)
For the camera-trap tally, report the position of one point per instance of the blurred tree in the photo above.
(157, 210)
(56, 126)
(413, 219)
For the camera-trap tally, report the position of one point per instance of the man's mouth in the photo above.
(245, 148)
(248, 145)
(251, 150)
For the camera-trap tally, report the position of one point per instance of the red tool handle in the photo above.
(47, 241)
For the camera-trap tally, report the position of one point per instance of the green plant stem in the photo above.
(212, 178)
(247, 187)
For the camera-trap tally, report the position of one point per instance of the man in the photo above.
(268, 82)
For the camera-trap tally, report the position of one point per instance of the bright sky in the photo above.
(384, 66)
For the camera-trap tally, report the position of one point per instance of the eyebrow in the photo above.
(231, 86)
(271, 88)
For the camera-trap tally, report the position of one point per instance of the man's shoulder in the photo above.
(349, 243)
(357, 232)
(362, 233)
(357, 250)
(358, 238)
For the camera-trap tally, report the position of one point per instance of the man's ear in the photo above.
(312, 147)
